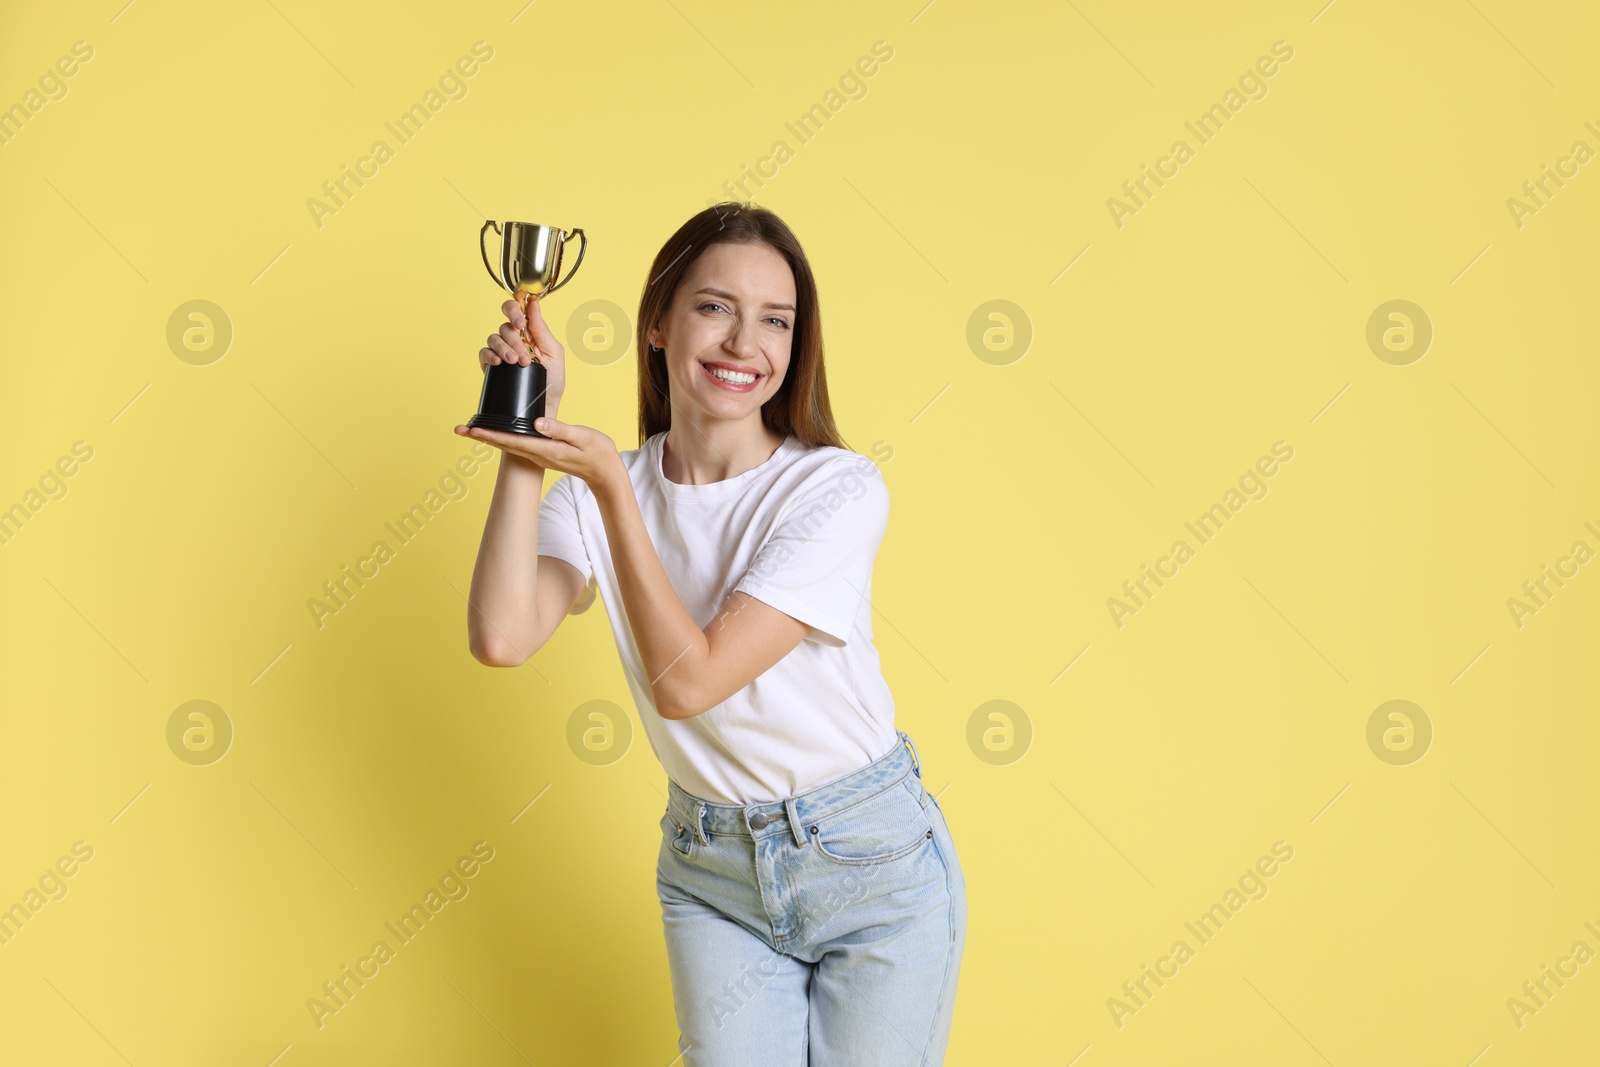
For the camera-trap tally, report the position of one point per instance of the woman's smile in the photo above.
(736, 378)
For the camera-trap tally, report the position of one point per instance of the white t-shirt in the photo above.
(798, 532)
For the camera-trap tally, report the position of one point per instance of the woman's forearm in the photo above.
(502, 618)
(672, 647)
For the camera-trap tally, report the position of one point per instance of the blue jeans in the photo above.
(822, 930)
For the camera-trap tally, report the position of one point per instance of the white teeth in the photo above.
(732, 376)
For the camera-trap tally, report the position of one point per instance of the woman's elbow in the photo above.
(497, 654)
(674, 705)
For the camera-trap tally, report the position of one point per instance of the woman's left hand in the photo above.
(581, 451)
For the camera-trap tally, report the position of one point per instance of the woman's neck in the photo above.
(697, 455)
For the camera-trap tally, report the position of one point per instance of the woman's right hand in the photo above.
(506, 346)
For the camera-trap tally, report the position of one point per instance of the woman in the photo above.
(813, 904)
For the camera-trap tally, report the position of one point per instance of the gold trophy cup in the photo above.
(527, 265)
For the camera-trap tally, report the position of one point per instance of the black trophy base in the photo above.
(513, 397)
(508, 423)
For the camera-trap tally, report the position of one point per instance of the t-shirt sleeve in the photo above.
(816, 565)
(559, 533)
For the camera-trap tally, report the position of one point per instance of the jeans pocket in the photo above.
(882, 828)
(677, 834)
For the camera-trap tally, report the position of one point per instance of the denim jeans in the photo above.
(822, 930)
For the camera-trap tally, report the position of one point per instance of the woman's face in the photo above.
(734, 312)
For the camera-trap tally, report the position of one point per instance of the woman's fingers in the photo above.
(506, 352)
(507, 346)
(546, 453)
(581, 451)
(512, 340)
(556, 431)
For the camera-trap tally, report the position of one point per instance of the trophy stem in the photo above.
(526, 300)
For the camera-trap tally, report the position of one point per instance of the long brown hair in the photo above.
(800, 406)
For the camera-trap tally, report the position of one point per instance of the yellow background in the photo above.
(1230, 713)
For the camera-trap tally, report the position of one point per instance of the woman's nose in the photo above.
(745, 340)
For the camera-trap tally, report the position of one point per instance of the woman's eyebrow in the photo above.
(729, 296)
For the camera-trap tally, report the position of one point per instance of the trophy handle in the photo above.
(482, 234)
(583, 246)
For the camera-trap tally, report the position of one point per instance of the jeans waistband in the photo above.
(792, 813)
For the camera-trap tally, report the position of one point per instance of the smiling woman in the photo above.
(733, 550)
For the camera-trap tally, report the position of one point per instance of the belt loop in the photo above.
(916, 757)
(699, 823)
(795, 828)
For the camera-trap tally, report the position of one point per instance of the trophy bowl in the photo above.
(527, 265)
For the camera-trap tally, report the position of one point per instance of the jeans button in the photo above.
(759, 821)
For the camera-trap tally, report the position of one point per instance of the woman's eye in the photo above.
(713, 304)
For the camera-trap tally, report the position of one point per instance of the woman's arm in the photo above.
(689, 669)
(518, 597)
